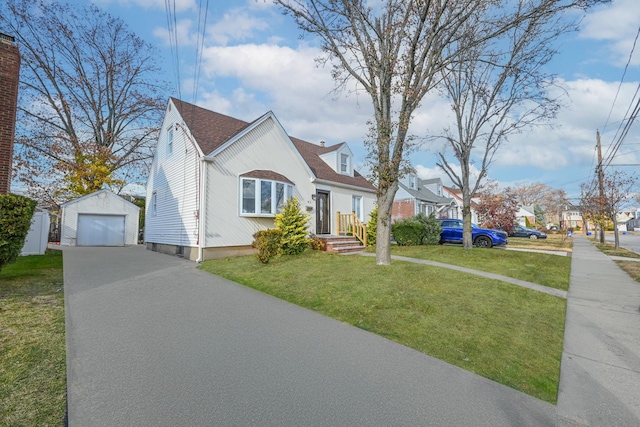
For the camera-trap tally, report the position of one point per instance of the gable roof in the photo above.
(106, 192)
(424, 194)
(211, 130)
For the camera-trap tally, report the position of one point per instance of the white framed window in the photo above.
(356, 206)
(154, 204)
(344, 164)
(263, 197)
(170, 141)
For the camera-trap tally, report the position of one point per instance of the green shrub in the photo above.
(432, 229)
(268, 243)
(408, 232)
(294, 226)
(372, 227)
(316, 244)
(15, 219)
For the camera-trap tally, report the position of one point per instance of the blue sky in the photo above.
(253, 61)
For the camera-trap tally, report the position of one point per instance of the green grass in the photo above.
(544, 269)
(609, 249)
(32, 342)
(500, 331)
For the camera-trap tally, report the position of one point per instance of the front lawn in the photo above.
(543, 269)
(501, 331)
(32, 342)
(553, 242)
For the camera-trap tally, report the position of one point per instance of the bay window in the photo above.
(263, 197)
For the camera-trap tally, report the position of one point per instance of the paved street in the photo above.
(629, 240)
(153, 341)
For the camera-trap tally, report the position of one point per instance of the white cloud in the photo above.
(617, 23)
(287, 81)
(236, 25)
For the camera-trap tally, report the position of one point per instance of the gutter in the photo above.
(339, 184)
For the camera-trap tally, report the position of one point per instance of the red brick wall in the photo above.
(401, 209)
(9, 72)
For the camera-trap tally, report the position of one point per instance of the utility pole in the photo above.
(601, 185)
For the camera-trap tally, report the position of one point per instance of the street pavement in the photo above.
(153, 341)
(600, 371)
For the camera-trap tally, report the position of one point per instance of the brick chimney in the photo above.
(9, 73)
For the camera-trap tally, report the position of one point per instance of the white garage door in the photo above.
(100, 230)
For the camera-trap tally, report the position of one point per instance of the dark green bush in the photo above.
(408, 232)
(268, 243)
(15, 219)
(432, 229)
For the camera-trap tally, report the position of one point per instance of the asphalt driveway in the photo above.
(153, 341)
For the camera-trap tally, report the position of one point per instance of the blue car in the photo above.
(482, 237)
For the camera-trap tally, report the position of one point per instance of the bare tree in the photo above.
(90, 101)
(551, 200)
(396, 50)
(498, 88)
(598, 207)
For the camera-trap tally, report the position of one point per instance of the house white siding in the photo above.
(263, 148)
(101, 203)
(172, 211)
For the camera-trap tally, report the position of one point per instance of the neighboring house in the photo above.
(456, 210)
(99, 219)
(526, 216)
(216, 180)
(571, 218)
(425, 196)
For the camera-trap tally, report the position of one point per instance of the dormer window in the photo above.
(344, 164)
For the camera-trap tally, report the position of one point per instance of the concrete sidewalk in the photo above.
(153, 341)
(600, 371)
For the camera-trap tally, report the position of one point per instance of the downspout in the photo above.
(203, 208)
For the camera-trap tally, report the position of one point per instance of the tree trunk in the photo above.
(615, 232)
(383, 237)
(467, 236)
(602, 232)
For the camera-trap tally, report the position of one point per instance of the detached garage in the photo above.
(99, 219)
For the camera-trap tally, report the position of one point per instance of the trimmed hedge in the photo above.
(417, 230)
(408, 232)
(15, 219)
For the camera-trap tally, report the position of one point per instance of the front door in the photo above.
(322, 213)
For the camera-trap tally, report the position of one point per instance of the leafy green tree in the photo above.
(372, 227)
(541, 217)
(15, 219)
(294, 225)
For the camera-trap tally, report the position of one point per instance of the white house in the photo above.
(99, 219)
(457, 210)
(216, 180)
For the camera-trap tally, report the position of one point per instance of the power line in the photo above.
(172, 28)
(622, 79)
(624, 127)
